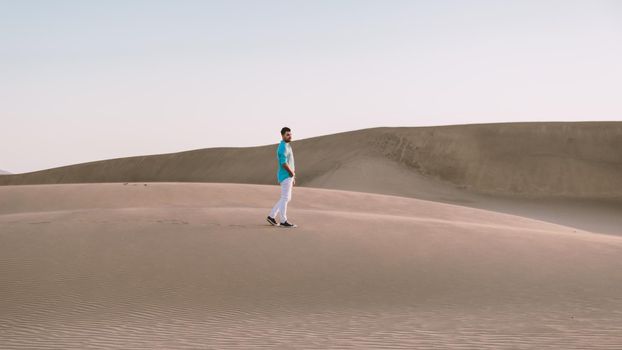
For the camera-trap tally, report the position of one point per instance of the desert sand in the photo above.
(568, 173)
(195, 265)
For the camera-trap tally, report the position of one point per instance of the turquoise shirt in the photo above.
(284, 154)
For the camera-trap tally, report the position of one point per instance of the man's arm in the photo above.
(291, 173)
(289, 170)
(283, 159)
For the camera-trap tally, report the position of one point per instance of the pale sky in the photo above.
(90, 80)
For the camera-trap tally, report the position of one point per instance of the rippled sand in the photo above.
(179, 266)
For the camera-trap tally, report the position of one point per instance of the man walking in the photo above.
(286, 176)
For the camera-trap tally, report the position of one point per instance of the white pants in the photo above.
(286, 195)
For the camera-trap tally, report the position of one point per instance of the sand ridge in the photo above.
(567, 173)
(577, 159)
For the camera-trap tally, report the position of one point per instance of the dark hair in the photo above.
(284, 130)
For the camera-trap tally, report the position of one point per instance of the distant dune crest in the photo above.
(570, 159)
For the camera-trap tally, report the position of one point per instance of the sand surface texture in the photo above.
(195, 265)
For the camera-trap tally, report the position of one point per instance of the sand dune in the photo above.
(576, 159)
(568, 173)
(190, 265)
(4, 172)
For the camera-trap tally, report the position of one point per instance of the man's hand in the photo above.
(289, 170)
(293, 180)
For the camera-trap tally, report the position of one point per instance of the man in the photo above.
(286, 176)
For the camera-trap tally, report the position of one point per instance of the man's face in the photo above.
(287, 136)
